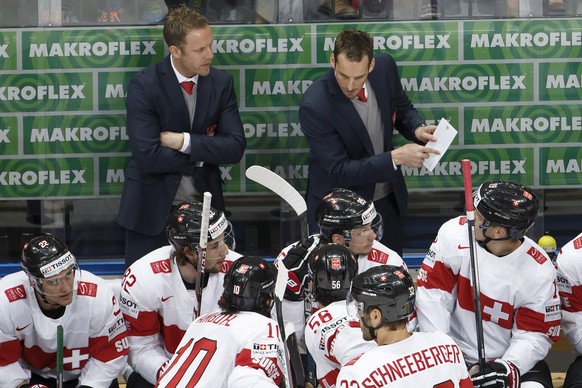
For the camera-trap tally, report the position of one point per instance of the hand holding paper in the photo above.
(445, 133)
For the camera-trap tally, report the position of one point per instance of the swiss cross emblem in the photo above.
(180, 219)
(336, 263)
(383, 278)
(74, 358)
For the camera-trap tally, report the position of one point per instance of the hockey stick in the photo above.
(466, 165)
(280, 285)
(283, 189)
(60, 351)
(202, 249)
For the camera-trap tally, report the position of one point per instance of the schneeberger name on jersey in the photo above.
(55, 267)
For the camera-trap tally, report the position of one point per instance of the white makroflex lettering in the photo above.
(496, 312)
(75, 359)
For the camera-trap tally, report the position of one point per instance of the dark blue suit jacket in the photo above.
(155, 103)
(341, 152)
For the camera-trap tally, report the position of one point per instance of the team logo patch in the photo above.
(578, 243)
(336, 263)
(242, 269)
(15, 293)
(378, 256)
(537, 255)
(162, 266)
(87, 289)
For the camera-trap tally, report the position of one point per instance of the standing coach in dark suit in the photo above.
(183, 122)
(348, 117)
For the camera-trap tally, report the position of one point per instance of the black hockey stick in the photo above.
(283, 189)
(203, 242)
(60, 351)
(466, 165)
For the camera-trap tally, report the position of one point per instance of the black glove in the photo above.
(296, 261)
(498, 373)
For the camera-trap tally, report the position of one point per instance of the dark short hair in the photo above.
(355, 44)
(179, 22)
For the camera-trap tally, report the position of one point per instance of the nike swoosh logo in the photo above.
(462, 247)
(166, 298)
(22, 328)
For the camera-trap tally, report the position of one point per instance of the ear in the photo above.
(191, 254)
(372, 64)
(375, 317)
(337, 238)
(175, 51)
(501, 232)
(332, 61)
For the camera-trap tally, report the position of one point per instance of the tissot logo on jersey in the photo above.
(552, 313)
(58, 265)
(264, 350)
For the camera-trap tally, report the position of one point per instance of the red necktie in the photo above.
(362, 95)
(187, 86)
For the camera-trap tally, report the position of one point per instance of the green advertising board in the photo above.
(512, 88)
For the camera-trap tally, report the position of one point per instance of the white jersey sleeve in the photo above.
(428, 359)
(223, 349)
(333, 339)
(570, 287)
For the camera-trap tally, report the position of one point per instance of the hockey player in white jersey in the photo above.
(344, 218)
(51, 291)
(519, 300)
(333, 337)
(239, 346)
(383, 298)
(158, 298)
(569, 263)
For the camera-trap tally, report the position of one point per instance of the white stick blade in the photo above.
(205, 220)
(279, 186)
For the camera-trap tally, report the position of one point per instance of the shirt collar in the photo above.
(180, 77)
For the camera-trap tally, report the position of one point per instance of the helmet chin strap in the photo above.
(372, 330)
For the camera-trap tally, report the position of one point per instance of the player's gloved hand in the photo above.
(296, 261)
(498, 373)
(162, 369)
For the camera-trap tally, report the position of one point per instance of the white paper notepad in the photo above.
(445, 134)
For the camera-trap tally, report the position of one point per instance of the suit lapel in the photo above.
(346, 108)
(204, 93)
(173, 89)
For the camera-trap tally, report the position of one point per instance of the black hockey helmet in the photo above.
(387, 287)
(45, 256)
(249, 285)
(183, 226)
(507, 204)
(342, 210)
(332, 268)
